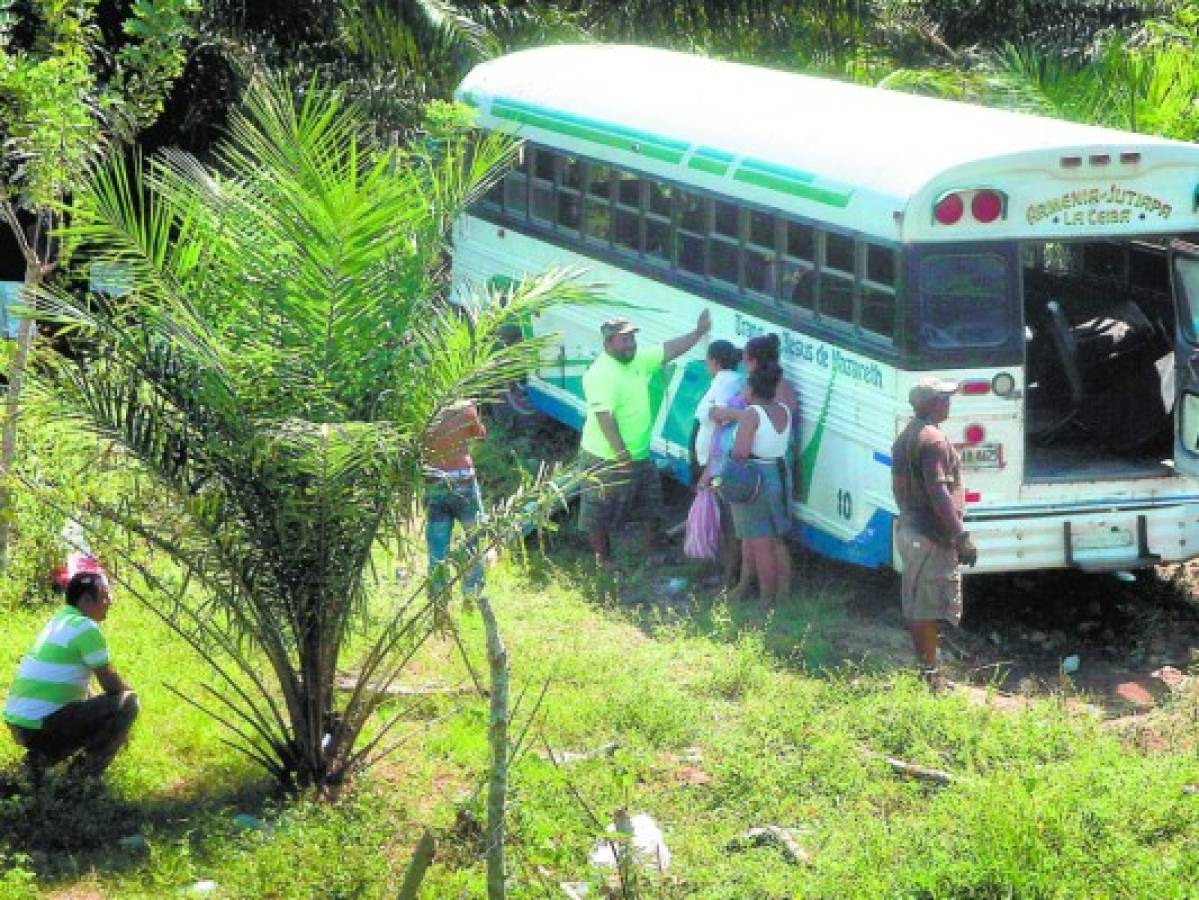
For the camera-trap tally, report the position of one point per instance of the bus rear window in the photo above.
(963, 301)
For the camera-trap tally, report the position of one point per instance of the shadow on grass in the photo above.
(682, 595)
(68, 825)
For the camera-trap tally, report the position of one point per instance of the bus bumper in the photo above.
(1105, 541)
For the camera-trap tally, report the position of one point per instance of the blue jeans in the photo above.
(449, 500)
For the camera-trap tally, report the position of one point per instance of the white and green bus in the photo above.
(883, 236)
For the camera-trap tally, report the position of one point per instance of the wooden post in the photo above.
(497, 734)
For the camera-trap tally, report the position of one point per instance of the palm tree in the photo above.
(275, 366)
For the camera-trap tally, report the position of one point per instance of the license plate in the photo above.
(1104, 537)
(981, 456)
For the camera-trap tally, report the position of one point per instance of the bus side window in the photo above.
(541, 185)
(690, 237)
(760, 254)
(837, 277)
(494, 198)
(724, 247)
(878, 291)
(657, 222)
(570, 195)
(516, 187)
(626, 219)
(597, 204)
(798, 275)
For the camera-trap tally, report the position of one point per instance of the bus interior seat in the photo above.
(1094, 356)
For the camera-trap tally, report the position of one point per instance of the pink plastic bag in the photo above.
(703, 527)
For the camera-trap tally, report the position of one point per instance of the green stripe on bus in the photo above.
(768, 168)
(807, 459)
(828, 197)
(708, 159)
(642, 142)
(469, 99)
(710, 166)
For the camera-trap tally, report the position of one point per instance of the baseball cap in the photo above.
(928, 388)
(617, 326)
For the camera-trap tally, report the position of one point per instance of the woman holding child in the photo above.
(762, 523)
(764, 350)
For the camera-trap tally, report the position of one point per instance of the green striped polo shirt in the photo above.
(57, 669)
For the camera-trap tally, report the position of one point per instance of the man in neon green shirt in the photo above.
(48, 709)
(616, 436)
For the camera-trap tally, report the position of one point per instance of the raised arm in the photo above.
(676, 347)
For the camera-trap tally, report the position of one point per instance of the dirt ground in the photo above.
(1120, 649)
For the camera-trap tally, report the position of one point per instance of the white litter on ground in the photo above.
(644, 840)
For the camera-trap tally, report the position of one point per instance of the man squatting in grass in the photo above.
(452, 492)
(926, 477)
(616, 435)
(49, 711)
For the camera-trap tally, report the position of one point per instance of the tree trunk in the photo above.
(8, 439)
(497, 790)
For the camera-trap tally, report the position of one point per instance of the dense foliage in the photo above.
(269, 363)
(396, 55)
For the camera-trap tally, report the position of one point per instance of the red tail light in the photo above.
(974, 388)
(987, 206)
(973, 496)
(949, 209)
(975, 434)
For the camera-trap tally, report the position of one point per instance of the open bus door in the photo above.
(1184, 278)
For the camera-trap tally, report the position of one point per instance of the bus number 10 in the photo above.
(845, 504)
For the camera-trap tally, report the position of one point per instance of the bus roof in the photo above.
(835, 144)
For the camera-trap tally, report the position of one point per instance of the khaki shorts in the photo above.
(932, 584)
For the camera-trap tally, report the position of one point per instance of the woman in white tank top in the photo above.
(763, 432)
(769, 442)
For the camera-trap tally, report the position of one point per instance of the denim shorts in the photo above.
(768, 515)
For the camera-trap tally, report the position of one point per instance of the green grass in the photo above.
(1048, 803)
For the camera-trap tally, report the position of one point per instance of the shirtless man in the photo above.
(452, 491)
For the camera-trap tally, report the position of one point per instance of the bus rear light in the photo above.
(975, 434)
(949, 209)
(974, 388)
(1003, 384)
(973, 497)
(987, 206)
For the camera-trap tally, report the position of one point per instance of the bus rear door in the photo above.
(1184, 273)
